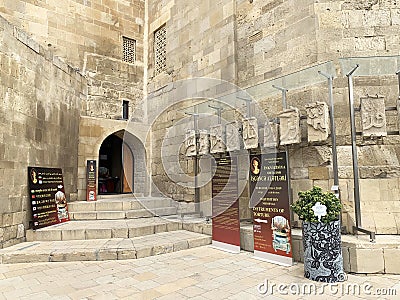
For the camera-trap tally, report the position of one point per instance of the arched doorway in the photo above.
(116, 166)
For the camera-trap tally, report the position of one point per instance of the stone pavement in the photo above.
(198, 273)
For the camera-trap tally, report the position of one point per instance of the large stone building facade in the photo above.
(74, 71)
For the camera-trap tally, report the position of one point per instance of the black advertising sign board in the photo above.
(91, 171)
(225, 205)
(270, 202)
(47, 195)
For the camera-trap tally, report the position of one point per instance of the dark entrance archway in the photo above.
(121, 165)
(116, 165)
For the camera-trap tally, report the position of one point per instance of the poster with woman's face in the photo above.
(255, 166)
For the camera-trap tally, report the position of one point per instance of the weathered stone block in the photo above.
(346, 259)
(107, 254)
(250, 133)
(318, 126)
(318, 173)
(75, 234)
(217, 139)
(98, 234)
(361, 262)
(271, 135)
(204, 142)
(162, 249)
(190, 143)
(43, 235)
(290, 126)
(232, 136)
(126, 254)
(373, 116)
(140, 231)
(143, 251)
(120, 233)
(83, 216)
(392, 263)
(110, 215)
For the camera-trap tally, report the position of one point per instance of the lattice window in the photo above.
(129, 49)
(160, 50)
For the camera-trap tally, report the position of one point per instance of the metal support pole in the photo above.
(357, 206)
(196, 161)
(219, 112)
(284, 91)
(335, 187)
(354, 148)
(248, 102)
(290, 192)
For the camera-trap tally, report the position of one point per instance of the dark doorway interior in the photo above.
(116, 166)
(110, 165)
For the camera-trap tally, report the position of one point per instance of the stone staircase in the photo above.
(114, 227)
(122, 207)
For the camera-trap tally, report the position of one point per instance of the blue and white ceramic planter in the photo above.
(323, 260)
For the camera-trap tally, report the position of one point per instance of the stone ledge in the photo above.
(357, 251)
(104, 249)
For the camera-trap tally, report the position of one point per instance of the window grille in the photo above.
(125, 110)
(129, 50)
(160, 51)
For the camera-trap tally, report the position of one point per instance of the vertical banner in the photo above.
(46, 191)
(91, 171)
(270, 202)
(225, 205)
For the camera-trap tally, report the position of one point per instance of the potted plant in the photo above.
(320, 214)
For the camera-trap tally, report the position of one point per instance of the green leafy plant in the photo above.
(303, 206)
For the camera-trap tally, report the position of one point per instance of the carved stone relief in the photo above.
(232, 136)
(271, 135)
(290, 126)
(190, 143)
(373, 117)
(204, 142)
(318, 126)
(250, 133)
(217, 144)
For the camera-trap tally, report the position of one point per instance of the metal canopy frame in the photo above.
(312, 76)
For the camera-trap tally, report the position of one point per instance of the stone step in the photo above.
(121, 204)
(118, 196)
(127, 214)
(103, 229)
(103, 249)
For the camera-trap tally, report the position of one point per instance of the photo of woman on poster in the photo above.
(255, 166)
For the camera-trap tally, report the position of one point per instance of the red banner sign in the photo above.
(225, 205)
(270, 202)
(48, 200)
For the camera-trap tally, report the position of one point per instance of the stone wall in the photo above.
(39, 117)
(72, 28)
(200, 43)
(110, 82)
(278, 37)
(274, 37)
(89, 36)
